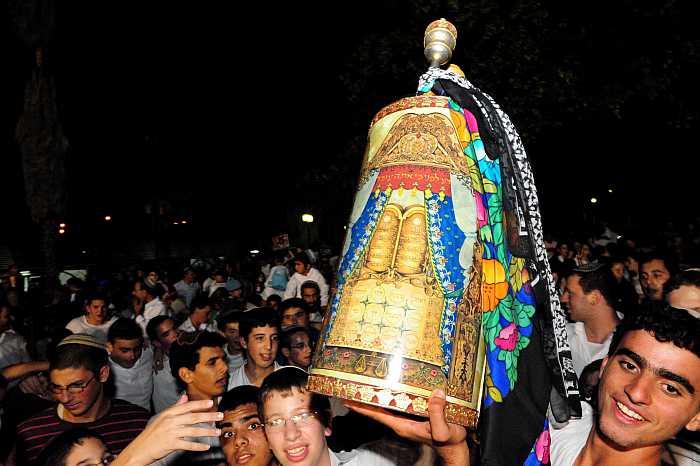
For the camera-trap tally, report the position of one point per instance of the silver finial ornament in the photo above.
(439, 42)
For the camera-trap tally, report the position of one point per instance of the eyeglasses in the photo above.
(106, 459)
(276, 425)
(73, 388)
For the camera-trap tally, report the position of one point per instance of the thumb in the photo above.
(182, 400)
(436, 411)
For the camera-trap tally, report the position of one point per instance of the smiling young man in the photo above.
(94, 322)
(259, 333)
(130, 363)
(78, 371)
(242, 434)
(162, 334)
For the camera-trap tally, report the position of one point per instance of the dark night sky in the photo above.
(223, 110)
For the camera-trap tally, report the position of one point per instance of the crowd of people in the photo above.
(205, 364)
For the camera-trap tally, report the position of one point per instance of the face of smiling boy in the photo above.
(648, 392)
(300, 443)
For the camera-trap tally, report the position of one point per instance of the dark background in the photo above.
(239, 118)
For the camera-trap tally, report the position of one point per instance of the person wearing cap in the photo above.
(148, 304)
(95, 321)
(589, 296)
(188, 288)
(199, 317)
(304, 272)
(78, 374)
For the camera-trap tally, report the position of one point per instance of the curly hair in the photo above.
(665, 323)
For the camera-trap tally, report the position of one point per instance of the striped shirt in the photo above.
(122, 423)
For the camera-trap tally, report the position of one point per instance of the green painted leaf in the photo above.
(490, 319)
(486, 234)
(490, 186)
(497, 233)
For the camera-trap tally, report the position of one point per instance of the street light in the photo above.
(184, 222)
(254, 251)
(61, 225)
(61, 231)
(307, 218)
(108, 218)
(593, 200)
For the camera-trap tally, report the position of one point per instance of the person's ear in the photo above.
(186, 375)
(244, 344)
(602, 367)
(104, 374)
(110, 347)
(694, 423)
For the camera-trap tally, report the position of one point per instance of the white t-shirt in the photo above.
(566, 443)
(13, 348)
(238, 377)
(165, 390)
(135, 384)
(379, 453)
(154, 307)
(584, 352)
(81, 325)
(294, 285)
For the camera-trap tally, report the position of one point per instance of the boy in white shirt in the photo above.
(131, 364)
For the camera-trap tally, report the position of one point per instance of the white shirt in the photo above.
(238, 377)
(566, 443)
(13, 348)
(380, 453)
(188, 291)
(294, 286)
(188, 326)
(81, 325)
(135, 384)
(584, 352)
(234, 360)
(151, 309)
(165, 389)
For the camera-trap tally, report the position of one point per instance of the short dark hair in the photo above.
(303, 258)
(184, 352)
(285, 381)
(665, 323)
(228, 318)
(152, 327)
(239, 396)
(259, 317)
(290, 303)
(684, 278)
(200, 302)
(76, 355)
(669, 263)
(57, 451)
(601, 280)
(286, 339)
(274, 298)
(94, 296)
(124, 329)
(310, 284)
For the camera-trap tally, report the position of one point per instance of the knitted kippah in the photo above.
(82, 339)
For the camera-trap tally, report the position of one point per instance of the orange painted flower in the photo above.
(493, 285)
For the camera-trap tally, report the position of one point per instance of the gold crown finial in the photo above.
(439, 42)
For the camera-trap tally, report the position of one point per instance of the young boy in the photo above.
(298, 421)
(131, 365)
(259, 335)
(94, 322)
(242, 434)
(229, 326)
(296, 346)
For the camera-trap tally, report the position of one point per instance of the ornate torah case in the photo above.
(406, 317)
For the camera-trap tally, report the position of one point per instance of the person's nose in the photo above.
(291, 430)
(241, 440)
(638, 390)
(63, 397)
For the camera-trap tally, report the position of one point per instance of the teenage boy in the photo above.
(259, 335)
(295, 345)
(94, 322)
(649, 390)
(78, 372)
(198, 363)
(229, 327)
(148, 303)
(131, 365)
(298, 421)
(304, 272)
(162, 334)
(242, 434)
(295, 312)
(199, 316)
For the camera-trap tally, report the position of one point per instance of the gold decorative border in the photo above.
(397, 400)
(421, 101)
